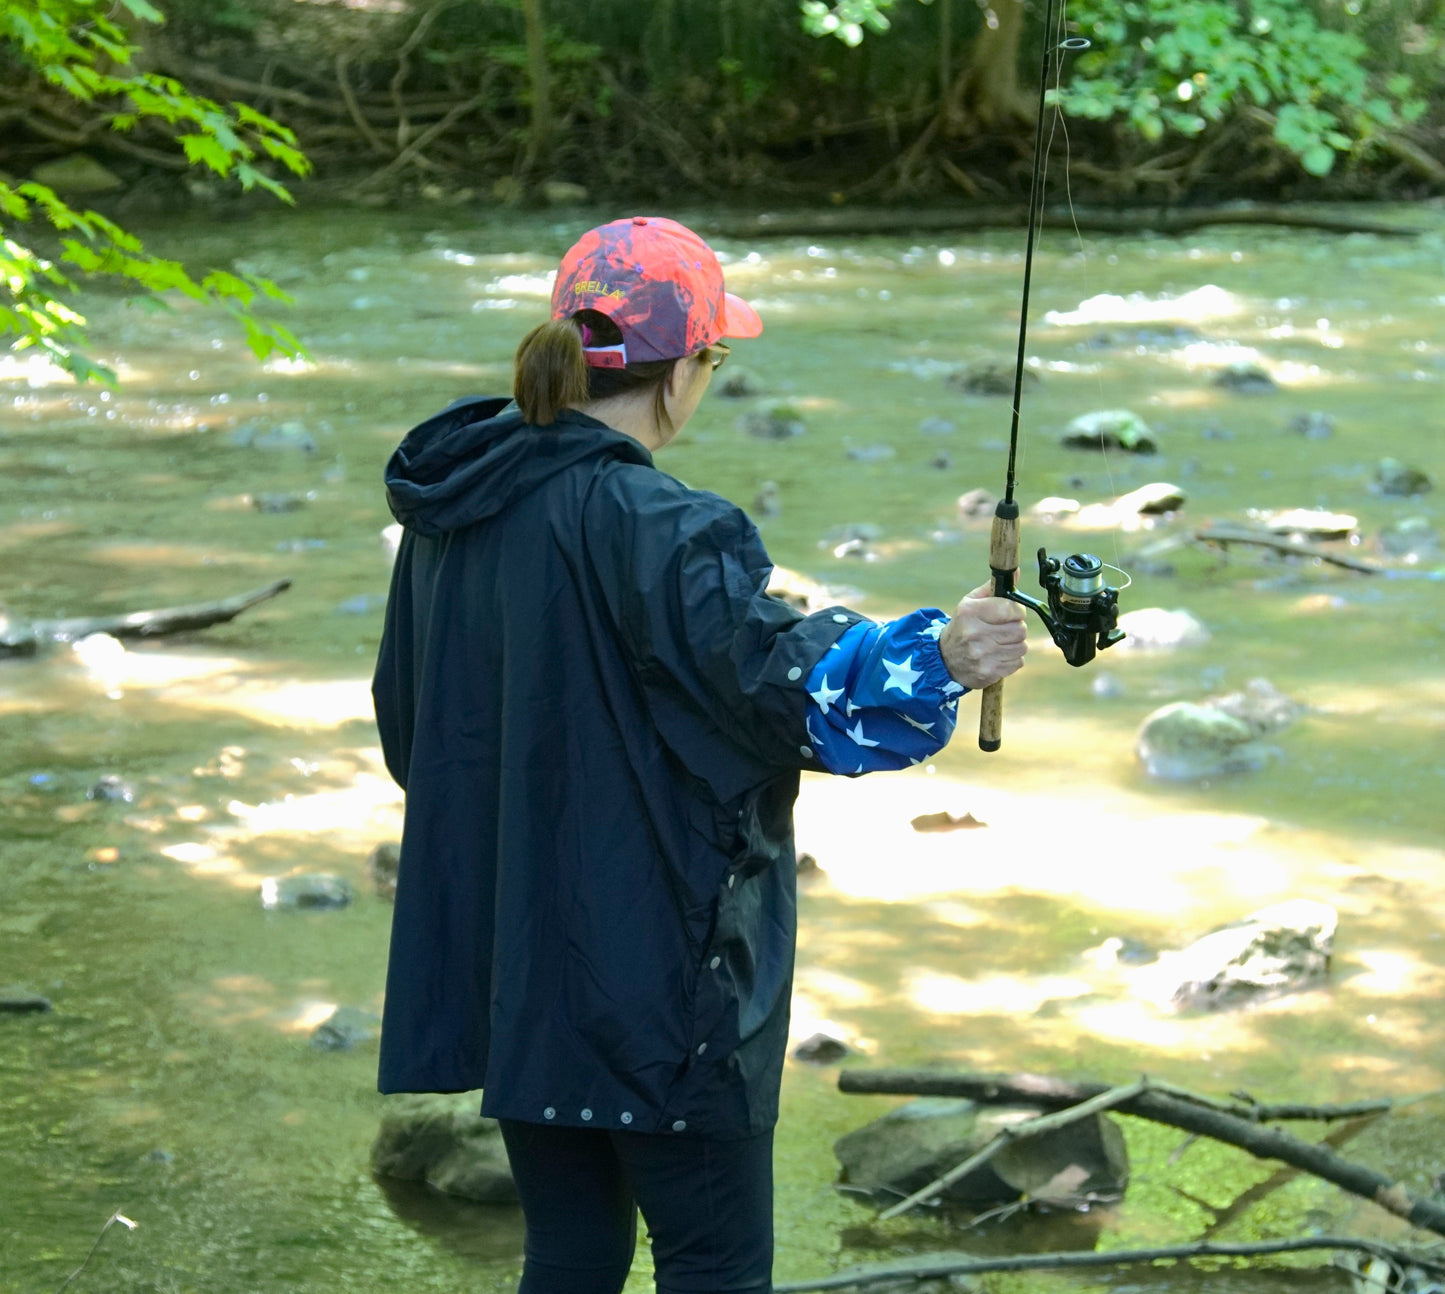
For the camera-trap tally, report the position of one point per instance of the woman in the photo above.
(599, 716)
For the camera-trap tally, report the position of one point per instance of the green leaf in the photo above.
(144, 11)
(205, 150)
(1318, 160)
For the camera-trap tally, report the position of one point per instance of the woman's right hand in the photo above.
(984, 641)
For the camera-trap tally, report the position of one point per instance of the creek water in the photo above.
(174, 1078)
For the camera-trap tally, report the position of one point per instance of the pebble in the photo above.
(318, 890)
(821, 1049)
(1244, 379)
(1399, 480)
(110, 789)
(273, 503)
(773, 421)
(1313, 426)
(870, 453)
(345, 1029)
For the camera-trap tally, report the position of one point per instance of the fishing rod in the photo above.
(1082, 610)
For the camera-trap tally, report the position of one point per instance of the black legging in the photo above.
(708, 1206)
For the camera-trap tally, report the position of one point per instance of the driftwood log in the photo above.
(966, 219)
(26, 639)
(1111, 1258)
(1171, 1106)
(1219, 535)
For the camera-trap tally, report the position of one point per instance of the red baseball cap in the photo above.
(658, 282)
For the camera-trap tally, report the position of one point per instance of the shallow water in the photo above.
(174, 1078)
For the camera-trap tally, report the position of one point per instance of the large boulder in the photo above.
(1187, 742)
(1110, 429)
(444, 1142)
(917, 1143)
(1278, 949)
(1160, 629)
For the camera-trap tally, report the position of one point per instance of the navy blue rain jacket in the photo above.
(597, 714)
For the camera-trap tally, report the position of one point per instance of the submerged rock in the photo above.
(443, 1141)
(738, 384)
(288, 437)
(381, 866)
(279, 502)
(1399, 480)
(1313, 426)
(345, 1029)
(941, 461)
(913, 1145)
(1110, 429)
(1410, 537)
(1279, 949)
(18, 1000)
(1261, 705)
(1188, 742)
(1160, 337)
(870, 453)
(1244, 379)
(937, 427)
(111, 789)
(977, 505)
(988, 379)
(306, 890)
(773, 420)
(768, 502)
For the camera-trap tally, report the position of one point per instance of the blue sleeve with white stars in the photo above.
(882, 697)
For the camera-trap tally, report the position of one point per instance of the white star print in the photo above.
(851, 707)
(922, 727)
(951, 688)
(856, 732)
(935, 627)
(859, 769)
(825, 695)
(902, 675)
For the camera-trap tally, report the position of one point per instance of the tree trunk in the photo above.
(539, 83)
(988, 93)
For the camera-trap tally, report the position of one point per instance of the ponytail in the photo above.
(550, 372)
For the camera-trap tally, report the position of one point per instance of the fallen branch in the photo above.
(963, 219)
(1116, 1258)
(24, 640)
(1107, 1100)
(116, 1217)
(1223, 536)
(1059, 1093)
(1193, 1114)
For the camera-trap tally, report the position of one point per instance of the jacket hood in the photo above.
(475, 457)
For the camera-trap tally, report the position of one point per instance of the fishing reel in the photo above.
(1082, 611)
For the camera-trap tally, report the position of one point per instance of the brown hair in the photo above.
(550, 372)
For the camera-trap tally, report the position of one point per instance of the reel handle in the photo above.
(1003, 560)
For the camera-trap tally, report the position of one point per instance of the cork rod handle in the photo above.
(1003, 559)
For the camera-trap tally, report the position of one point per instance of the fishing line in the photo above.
(1064, 45)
